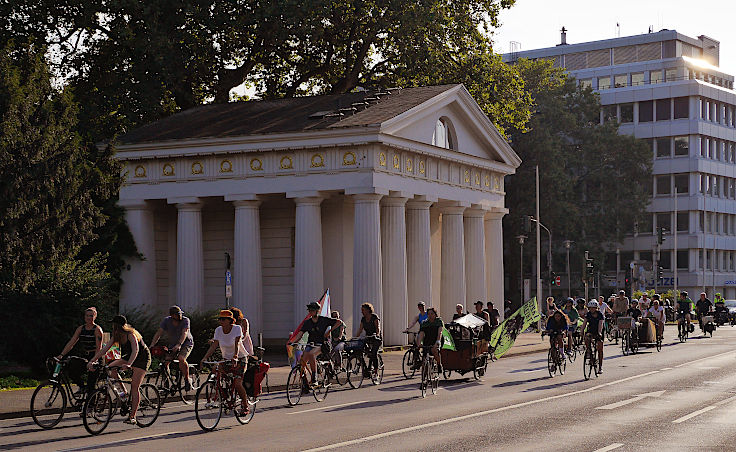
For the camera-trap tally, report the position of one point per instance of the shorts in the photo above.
(185, 350)
(143, 360)
(681, 314)
(596, 336)
(233, 369)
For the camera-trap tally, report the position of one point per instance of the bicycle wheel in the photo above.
(208, 406)
(659, 344)
(625, 343)
(408, 363)
(322, 385)
(188, 396)
(355, 371)
(377, 373)
(341, 373)
(587, 366)
(551, 366)
(434, 377)
(294, 386)
(634, 343)
(572, 354)
(97, 411)
(150, 406)
(425, 378)
(48, 404)
(246, 418)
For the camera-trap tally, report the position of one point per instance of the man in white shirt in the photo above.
(656, 312)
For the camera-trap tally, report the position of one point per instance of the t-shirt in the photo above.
(431, 330)
(338, 334)
(604, 307)
(173, 333)
(657, 313)
(620, 304)
(685, 305)
(554, 325)
(572, 314)
(594, 319)
(703, 305)
(316, 330)
(494, 315)
(228, 346)
(633, 312)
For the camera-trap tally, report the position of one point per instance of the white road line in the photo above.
(666, 368)
(703, 359)
(630, 400)
(607, 448)
(473, 415)
(693, 414)
(122, 441)
(328, 407)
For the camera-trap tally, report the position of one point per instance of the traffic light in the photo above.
(660, 234)
(627, 284)
(588, 265)
(660, 273)
(526, 224)
(553, 279)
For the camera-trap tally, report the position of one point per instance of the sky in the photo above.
(537, 23)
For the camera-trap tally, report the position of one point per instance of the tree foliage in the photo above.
(595, 182)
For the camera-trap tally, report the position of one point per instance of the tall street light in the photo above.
(567, 248)
(521, 268)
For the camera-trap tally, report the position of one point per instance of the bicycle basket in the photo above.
(354, 344)
(623, 323)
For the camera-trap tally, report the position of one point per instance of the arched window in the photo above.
(444, 136)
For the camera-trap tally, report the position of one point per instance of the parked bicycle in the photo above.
(300, 381)
(99, 408)
(430, 372)
(55, 396)
(169, 380)
(218, 395)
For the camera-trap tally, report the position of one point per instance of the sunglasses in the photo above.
(224, 318)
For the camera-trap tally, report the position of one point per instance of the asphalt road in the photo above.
(682, 398)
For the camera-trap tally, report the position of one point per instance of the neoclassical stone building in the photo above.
(390, 198)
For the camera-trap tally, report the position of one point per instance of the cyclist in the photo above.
(421, 317)
(89, 337)
(458, 312)
(580, 307)
(430, 334)
(684, 306)
(702, 307)
(134, 354)
(370, 325)
(557, 328)
(720, 306)
(247, 343)
(493, 313)
(180, 341)
(228, 336)
(604, 307)
(480, 312)
(620, 304)
(593, 327)
(551, 306)
(572, 315)
(316, 326)
(337, 335)
(656, 312)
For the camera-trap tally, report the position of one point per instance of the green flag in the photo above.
(504, 335)
(449, 343)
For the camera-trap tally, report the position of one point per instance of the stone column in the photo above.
(494, 259)
(453, 261)
(475, 259)
(190, 256)
(393, 252)
(248, 275)
(139, 283)
(418, 256)
(367, 278)
(308, 270)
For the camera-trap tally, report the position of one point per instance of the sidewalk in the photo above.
(16, 403)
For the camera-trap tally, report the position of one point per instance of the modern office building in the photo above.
(667, 88)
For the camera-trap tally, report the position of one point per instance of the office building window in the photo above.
(731, 152)
(712, 149)
(664, 220)
(682, 183)
(732, 188)
(701, 222)
(670, 74)
(714, 187)
(586, 83)
(683, 221)
(682, 107)
(665, 260)
(708, 114)
(716, 112)
(682, 259)
(621, 80)
(609, 113)
(645, 224)
(664, 147)
(664, 111)
(682, 146)
(637, 78)
(663, 185)
(650, 142)
(655, 76)
(701, 108)
(645, 256)
(646, 111)
(604, 82)
(716, 149)
(627, 113)
(704, 183)
(703, 145)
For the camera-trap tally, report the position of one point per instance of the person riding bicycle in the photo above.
(134, 354)
(228, 337)
(337, 335)
(684, 306)
(593, 327)
(370, 325)
(620, 304)
(317, 327)
(557, 329)
(493, 314)
(703, 307)
(89, 337)
(656, 312)
(430, 334)
(572, 315)
(720, 306)
(420, 318)
(180, 341)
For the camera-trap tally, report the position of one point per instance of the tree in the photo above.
(595, 182)
(47, 211)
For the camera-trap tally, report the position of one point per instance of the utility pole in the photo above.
(539, 263)
(521, 268)
(586, 270)
(567, 248)
(549, 252)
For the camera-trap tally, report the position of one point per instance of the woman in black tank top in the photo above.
(89, 337)
(371, 325)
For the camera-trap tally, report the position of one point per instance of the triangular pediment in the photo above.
(474, 133)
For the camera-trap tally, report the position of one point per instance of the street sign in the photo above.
(558, 281)
(228, 284)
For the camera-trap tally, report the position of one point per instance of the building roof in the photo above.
(299, 114)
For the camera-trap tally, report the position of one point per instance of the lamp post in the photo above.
(521, 268)
(549, 254)
(567, 248)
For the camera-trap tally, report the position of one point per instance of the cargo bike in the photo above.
(470, 335)
(635, 334)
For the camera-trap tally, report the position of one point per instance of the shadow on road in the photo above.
(554, 386)
(520, 382)
(36, 429)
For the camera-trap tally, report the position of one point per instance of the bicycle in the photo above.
(338, 365)
(610, 332)
(683, 329)
(49, 400)
(590, 360)
(169, 380)
(410, 361)
(430, 372)
(217, 395)
(99, 408)
(300, 379)
(375, 373)
(556, 361)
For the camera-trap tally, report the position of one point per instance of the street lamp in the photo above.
(521, 268)
(567, 248)
(549, 254)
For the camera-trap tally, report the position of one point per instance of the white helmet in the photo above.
(593, 304)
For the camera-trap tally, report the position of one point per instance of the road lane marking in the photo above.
(122, 441)
(666, 368)
(630, 400)
(473, 415)
(703, 359)
(607, 448)
(693, 414)
(328, 407)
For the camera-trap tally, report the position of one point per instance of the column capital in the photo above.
(452, 210)
(366, 197)
(242, 197)
(308, 200)
(393, 201)
(186, 203)
(474, 212)
(496, 214)
(134, 204)
(246, 204)
(418, 204)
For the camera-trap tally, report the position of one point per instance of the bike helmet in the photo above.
(593, 304)
(569, 299)
(655, 296)
(683, 293)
